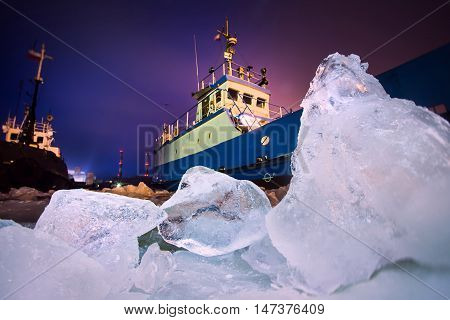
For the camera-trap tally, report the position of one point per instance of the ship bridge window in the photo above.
(205, 107)
(260, 102)
(247, 98)
(14, 136)
(218, 96)
(40, 140)
(233, 94)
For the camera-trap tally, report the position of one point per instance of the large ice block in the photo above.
(104, 226)
(34, 265)
(213, 214)
(370, 184)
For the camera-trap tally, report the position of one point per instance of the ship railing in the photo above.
(38, 126)
(11, 123)
(189, 118)
(243, 126)
(181, 124)
(232, 69)
(276, 111)
(42, 127)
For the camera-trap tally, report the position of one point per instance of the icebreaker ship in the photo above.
(232, 128)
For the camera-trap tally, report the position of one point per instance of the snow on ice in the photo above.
(213, 214)
(371, 175)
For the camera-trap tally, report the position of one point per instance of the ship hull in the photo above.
(21, 165)
(262, 155)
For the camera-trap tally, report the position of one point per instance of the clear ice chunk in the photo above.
(213, 214)
(154, 271)
(104, 226)
(370, 182)
(263, 257)
(219, 277)
(34, 265)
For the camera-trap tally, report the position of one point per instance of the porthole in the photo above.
(265, 140)
(209, 135)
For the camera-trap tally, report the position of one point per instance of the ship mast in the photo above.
(231, 43)
(28, 127)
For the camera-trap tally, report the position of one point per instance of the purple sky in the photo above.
(149, 45)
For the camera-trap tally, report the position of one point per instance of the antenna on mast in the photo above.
(196, 63)
(231, 41)
(226, 26)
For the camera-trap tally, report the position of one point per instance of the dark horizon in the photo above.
(150, 47)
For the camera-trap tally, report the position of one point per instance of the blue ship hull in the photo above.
(244, 157)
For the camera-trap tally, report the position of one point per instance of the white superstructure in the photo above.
(43, 133)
